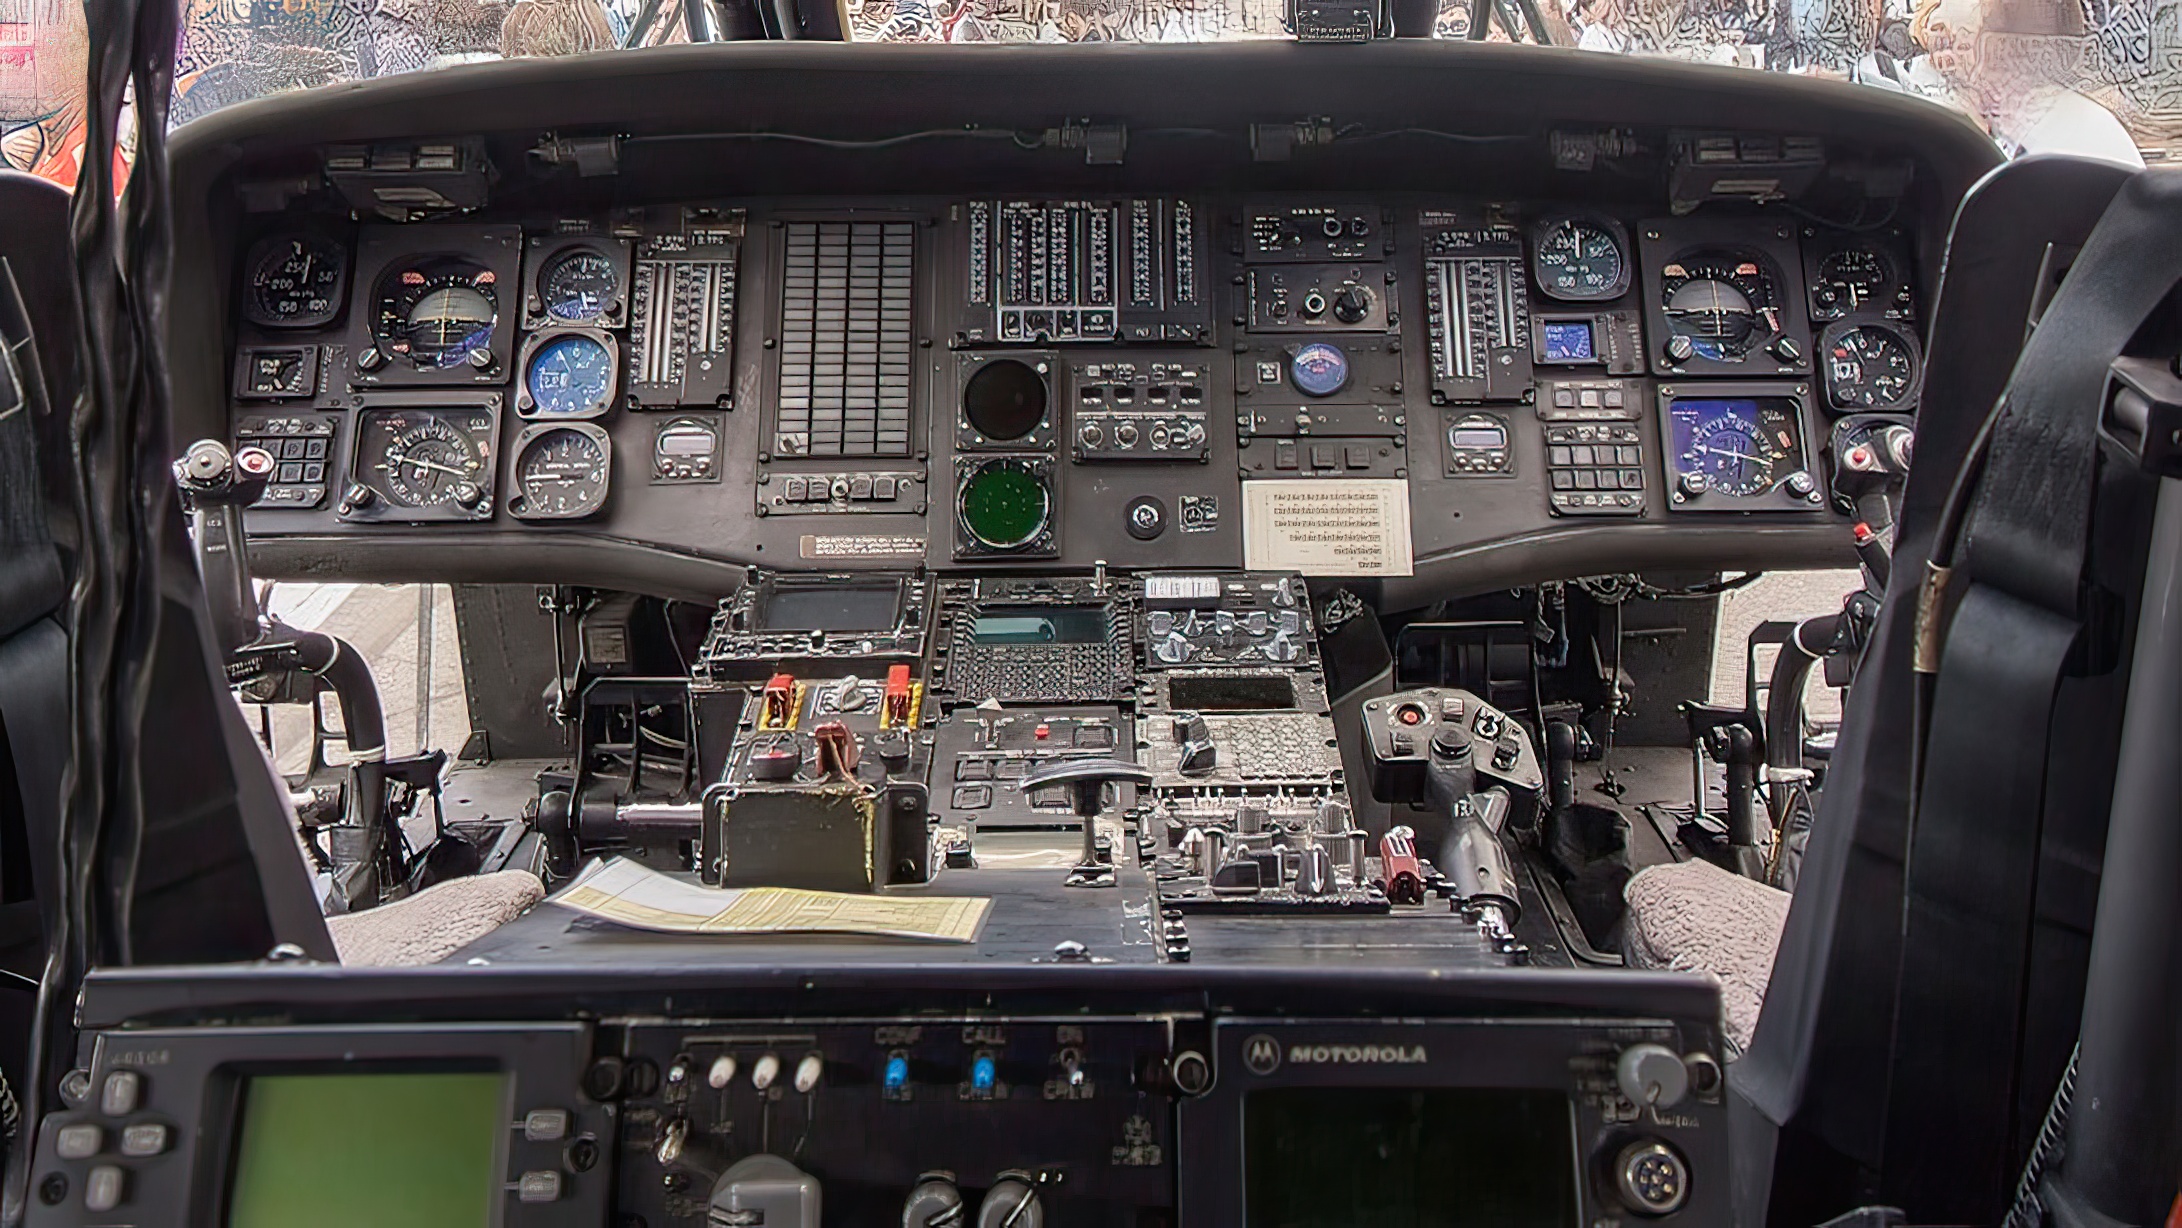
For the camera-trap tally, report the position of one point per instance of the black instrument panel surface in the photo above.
(832, 424)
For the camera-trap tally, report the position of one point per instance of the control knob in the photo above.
(1681, 348)
(935, 1202)
(1652, 1074)
(1351, 304)
(1012, 1202)
(1694, 484)
(1091, 435)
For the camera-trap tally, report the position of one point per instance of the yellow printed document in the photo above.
(628, 893)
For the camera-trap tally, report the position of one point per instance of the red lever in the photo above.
(896, 704)
(837, 750)
(780, 701)
(1398, 862)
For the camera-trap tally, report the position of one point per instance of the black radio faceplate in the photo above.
(163, 1121)
(1533, 1169)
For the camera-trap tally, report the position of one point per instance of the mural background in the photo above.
(2023, 69)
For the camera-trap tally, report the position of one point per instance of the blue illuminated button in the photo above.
(1319, 370)
(983, 1074)
(897, 1073)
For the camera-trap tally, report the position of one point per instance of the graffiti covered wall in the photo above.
(2019, 67)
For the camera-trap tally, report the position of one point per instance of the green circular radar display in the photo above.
(1004, 506)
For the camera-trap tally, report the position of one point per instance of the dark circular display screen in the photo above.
(1005, 506)
(1006, 399)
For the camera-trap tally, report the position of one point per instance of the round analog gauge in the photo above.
(579, 285)
(1869, 367)
(295, 280)
(1319, 369)
(570, 377)
(1006, 399)
(1725, 303)
(1005, 506)
(438, 313)
(427, 462)
(1850, 280)
(1736, 446)
(1580, 260)
(562, 473)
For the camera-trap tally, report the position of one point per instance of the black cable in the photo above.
(149, 248)
(1466, 138)
(797, 138)
(118, 492)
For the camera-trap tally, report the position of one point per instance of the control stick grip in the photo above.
(1472, 857)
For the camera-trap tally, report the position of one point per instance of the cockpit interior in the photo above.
(1127, 636)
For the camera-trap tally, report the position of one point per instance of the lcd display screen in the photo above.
(370, 1150)
(1040, 625)
(1232, 692)
(835, 607)
(1568, 341)
(1389, 1157)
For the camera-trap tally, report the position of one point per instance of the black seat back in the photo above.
(1875, 1097)
(219, 876)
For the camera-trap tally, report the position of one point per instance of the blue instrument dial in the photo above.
(1319, 369)
(570, 377)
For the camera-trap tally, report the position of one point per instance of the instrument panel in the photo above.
(1317, 384)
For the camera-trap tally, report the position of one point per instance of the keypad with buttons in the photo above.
(1594, 447)
(1595, 469)
(302, 448)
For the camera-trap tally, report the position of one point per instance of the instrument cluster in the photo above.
(1032, 379)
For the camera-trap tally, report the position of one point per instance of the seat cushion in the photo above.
(1693, 916)
(434, 923)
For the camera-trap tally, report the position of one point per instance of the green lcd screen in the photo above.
(369, 1151)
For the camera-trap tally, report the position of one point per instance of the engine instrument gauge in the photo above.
(1743, 448)
(1319, 369)
(1868, 367)
(295, 281)
(438, 312)
(1580, 259)
(568, 375)
(561, 472)
(1005, 506)
(1850, 280)
(1720, 304)
(429, 460)
(579, 286)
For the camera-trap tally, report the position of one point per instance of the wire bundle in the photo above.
(120, 495)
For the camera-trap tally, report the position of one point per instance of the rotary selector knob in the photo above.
(1694, 484)
(1680, 348)
(1351, 304)
(935, 1202)
(1652, 1074)
(1800, 484)
(1012, 1202)
(1651, 1178)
